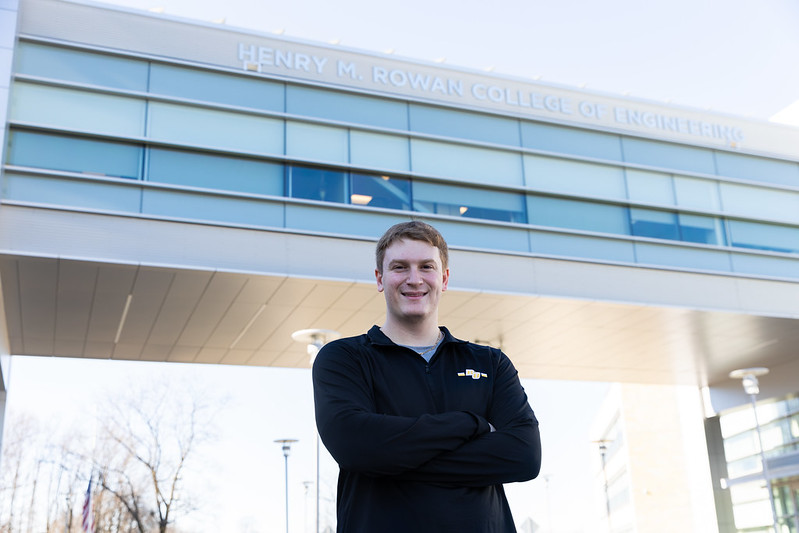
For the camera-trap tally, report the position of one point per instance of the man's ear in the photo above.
(379, 278)
(445, 281)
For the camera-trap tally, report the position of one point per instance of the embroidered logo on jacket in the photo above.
(472, 373)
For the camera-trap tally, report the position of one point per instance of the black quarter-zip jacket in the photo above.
(412, 439)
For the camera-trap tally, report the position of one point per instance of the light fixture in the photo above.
(123, 318)
(360, 199)
(286, 449)
(603, 451)
(247, 327)
(463, 209)
(748, 377)
(314, 339)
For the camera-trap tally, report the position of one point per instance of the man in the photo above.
(425, 427)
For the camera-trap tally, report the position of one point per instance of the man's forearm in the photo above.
(505, 456)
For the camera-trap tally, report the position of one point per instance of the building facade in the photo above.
(187, 192)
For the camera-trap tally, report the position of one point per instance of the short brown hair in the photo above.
(414, 230)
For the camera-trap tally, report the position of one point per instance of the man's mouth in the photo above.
(413, 294)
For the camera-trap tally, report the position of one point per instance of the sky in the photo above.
(240, 476)
(731, 56)
(727, 56)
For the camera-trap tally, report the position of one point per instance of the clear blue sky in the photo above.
(730, 56)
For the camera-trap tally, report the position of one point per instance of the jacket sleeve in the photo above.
(509, 454)
(360, 439)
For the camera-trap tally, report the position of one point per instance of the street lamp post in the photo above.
(314, 339)
(286, 449)
(748, 377)
(603, 450)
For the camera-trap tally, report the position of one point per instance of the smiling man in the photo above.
(425, 427)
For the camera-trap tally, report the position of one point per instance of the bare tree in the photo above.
(150, 434)
(137, 454)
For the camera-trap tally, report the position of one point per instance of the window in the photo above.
(649, 187)
(468, 202)
(218, 129)
(216, 87)
(571, 141)
(215, 172)
(464, 125)
(764, 236)
(654, 224)
(380, 191)
(77, 110)
(756, 202)
(319, 143)
(693, 193)
(667, 155)
(377, 150)
(579, 215)
(466, 163)
(81, 67)
(561, 175)
(701, 229)
(74, 154)
(757, 168)
(326, 104)
(317, 184)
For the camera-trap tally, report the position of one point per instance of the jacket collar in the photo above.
(376, 336)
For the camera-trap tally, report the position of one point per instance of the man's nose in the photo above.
(414, 276)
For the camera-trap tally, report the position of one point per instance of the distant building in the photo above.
(648, 474)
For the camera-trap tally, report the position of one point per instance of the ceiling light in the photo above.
(360, 199)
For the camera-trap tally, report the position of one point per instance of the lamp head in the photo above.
(748, 377)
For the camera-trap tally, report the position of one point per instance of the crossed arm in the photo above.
(455, 447)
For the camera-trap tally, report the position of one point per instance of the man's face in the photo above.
(413, 279)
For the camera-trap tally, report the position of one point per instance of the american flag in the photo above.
(88, 515)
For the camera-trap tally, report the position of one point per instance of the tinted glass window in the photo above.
(215, 172)
(575, 214)
(77, 110)
(81, 67)
(380, 191)
(757, 168)
(571, 141)
(74, 154)
(655, 224)
(215, 129)
(464, 125)
(216, 87)
(468, 202)
(764, 236)
(575, 177)
(317, 184)
(667, 155)
(324, 103)
(466, 163)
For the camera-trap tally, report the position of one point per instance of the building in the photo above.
(186, 192)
